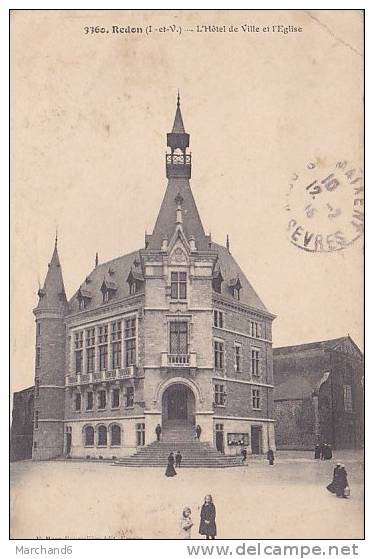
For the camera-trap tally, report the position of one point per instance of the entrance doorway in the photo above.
(68, 440)
(219, 437)
(256, 437)
(178, 404)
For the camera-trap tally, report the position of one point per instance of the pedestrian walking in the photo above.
(342, 486)
(333, 485)
(208, 526)
(198, 432)
(270, 457)
(170, 470)
(178, 459)
(186, 524)
(317, 451)
(158, 431)
(244, 455)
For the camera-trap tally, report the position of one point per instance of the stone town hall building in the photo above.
(171, 334)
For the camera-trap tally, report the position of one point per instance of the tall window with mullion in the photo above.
(218, 355)
(78, 347)
(130, 341)
(255, 362)
(90, 349)
(178, 338)
(219, 395)
(178, 285)
(103, 357)
(116, 337)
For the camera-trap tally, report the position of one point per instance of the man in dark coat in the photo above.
(198, 432)
(317, 451)
(178, 459)
(158, 431)
(208, 526)
(244, 454)
(270, 457)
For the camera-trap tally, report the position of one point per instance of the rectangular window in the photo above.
(101, 402)
(218, 355)
(219, 395)
(255, 362)
(255, 329)
(78, 401)
(37, 386)
(140, 434)
(347, 393)
(103, 357)
(116, 355)
(90, 401)
(129, 397)
(37, 357)
(178, 285)
(36, 420)
(178, 338)
(238, 358)
(256, 402)
(130, 352)
(90, 360)
(90, 337)
(115, 398)
(116, 331)
(78, 361)
(130, 328)
(238, 439)
(218, 319)
(103, 334)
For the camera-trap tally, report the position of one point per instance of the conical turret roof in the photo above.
(52, 295)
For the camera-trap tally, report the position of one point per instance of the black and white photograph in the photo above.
(187, 274)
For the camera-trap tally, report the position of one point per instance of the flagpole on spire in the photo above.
(178, 99)
(56, 236)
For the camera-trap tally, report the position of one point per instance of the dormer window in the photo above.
(84, 296)
(135, 278)
(217, 280)
(108, 289)
(235, 287)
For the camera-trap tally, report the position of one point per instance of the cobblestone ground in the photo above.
(96, 499)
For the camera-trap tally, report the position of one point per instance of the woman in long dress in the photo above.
(341, 482)
(332, 486)
(208, 519)
(170, 470)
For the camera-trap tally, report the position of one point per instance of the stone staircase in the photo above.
(179, 436)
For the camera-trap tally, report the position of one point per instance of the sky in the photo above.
(89, 117)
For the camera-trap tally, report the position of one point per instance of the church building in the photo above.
(171, 334)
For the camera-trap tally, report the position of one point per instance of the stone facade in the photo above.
(170, 334)
(22, 425)
(319, 395)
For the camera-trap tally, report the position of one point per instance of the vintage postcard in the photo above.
(187, 218)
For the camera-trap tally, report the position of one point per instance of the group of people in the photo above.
(323, 451)
(207, 526)
(177, 460)
(158, 432)
(339, 485)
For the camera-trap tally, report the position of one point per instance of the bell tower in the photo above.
(178, 161)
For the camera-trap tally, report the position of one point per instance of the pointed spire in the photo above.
(178, 126)
(228, 244)
(52, 295)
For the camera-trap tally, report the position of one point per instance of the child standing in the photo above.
(186, 524)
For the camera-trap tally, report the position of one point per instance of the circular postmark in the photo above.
(325, 206)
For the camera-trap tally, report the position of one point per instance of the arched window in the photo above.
(89, 436)
(115, 435)
(102, 436)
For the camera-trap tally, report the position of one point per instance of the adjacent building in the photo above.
(22, 425)
(171, 334)
(318, 395)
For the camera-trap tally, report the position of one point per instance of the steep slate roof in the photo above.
(230, 269)
(52, 295)
(121, 267)
(324, 344)
(165, 223)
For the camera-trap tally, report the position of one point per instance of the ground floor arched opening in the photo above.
(178, 405)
